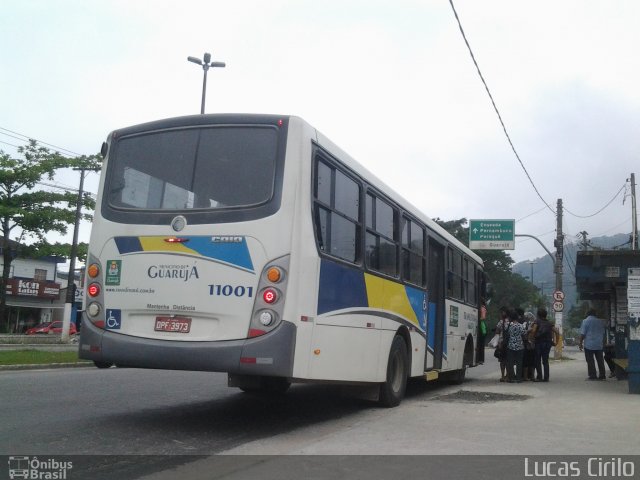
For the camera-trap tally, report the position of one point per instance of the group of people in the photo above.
(523, 342)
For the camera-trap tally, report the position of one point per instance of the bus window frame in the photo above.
(201, 216)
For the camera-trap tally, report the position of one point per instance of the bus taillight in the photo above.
(270, 296)
(93, 290)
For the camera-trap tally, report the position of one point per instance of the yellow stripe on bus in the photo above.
(387, 295)
(157, 244)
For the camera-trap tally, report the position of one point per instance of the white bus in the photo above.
(252, 245)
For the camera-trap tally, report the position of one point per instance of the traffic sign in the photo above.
(492, 234)
(558, 295)
(558, 306)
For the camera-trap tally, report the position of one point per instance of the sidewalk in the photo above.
(565, 416)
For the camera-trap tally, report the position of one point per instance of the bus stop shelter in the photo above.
(610, 281)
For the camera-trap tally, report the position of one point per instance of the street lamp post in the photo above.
(206, 64)
(532, 263)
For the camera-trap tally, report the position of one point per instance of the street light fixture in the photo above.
(206, 64)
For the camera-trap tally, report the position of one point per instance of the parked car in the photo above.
(51, 327)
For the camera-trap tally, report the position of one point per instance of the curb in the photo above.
(45, 366)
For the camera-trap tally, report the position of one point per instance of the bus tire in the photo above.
(102, 364)
(456, 377)
(392, 390)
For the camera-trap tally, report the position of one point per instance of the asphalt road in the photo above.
(120, 412)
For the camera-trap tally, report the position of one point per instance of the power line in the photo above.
(504, 128)
(26, 137)
(567, 257)
(596, 213)
(613, 228)
(10, 144)
(65, 188)
(531, 214)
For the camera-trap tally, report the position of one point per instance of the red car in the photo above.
(51, 327)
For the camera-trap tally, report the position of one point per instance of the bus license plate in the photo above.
(173, 324)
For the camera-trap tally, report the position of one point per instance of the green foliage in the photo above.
(576, 314)
(46, 249)
(32, 211)
(36, 357)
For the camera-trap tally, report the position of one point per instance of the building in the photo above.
(33, 292)
(610, 281)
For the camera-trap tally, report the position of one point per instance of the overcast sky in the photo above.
(391, 82)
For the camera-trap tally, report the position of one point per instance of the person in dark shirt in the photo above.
(544, 335)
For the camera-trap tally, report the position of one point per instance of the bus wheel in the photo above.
(392, 390)
(102, 364)
(457, 376)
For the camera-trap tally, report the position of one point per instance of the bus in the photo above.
(252, 245)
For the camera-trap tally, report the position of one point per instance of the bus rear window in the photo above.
(196, 168)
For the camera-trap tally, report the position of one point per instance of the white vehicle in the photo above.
(252, 245)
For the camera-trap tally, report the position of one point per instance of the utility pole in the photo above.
(559, 244)
(71, 290)
(634, 214)
(532, 263)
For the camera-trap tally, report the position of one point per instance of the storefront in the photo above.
(30, 302)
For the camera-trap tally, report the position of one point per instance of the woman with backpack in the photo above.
(544, 335)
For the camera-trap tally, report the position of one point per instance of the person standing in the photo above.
(542, 334)
(591, 340)
(482, 333)
(529, 360)
(501, 351)
(515, 348)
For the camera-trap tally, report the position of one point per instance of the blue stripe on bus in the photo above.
(234, 253)
(340, 287)
(128, 244)
(418, 300)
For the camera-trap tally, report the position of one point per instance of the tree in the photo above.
(46, 249)
(28, 211)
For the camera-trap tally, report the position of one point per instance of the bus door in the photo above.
(435, 316)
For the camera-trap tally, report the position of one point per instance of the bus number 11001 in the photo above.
(230, 290)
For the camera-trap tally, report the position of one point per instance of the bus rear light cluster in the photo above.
(94, 308)
(269, 304)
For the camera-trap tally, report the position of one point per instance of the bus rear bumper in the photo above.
(269, 355)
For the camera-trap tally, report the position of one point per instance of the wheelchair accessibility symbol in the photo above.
(113, 320)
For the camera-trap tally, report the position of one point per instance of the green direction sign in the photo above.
(492, 234)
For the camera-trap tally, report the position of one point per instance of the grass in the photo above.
(37, 357)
